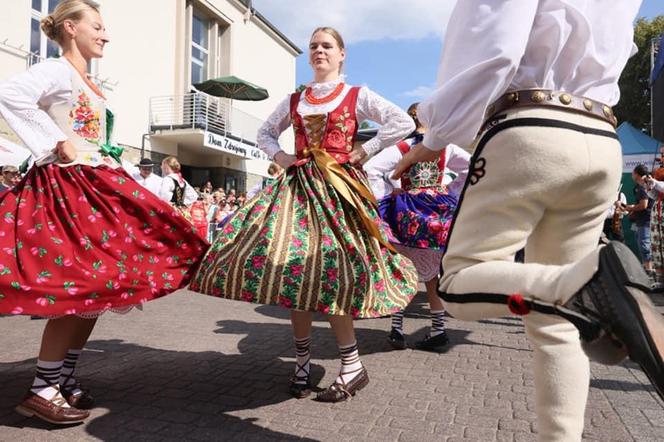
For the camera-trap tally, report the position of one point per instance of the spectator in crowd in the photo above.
(612, 230)
(225, 211)
(212, 202)
(655, 186)
(230, 198)
(198, 213)
(639, 214)
(143, 175)
(174, 188)
(273, 171)
(10, 177)
(207, 187)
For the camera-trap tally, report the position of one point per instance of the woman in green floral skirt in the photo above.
(309, 241)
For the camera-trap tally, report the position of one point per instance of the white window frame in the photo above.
(43, 40)
(205, 66)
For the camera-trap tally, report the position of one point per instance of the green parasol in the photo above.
(233, 88)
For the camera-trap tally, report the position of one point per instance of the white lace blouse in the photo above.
(395, 123)
(26, 98)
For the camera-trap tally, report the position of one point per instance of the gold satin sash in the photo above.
(349, 188)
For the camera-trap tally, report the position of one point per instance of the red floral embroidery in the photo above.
(336, 139)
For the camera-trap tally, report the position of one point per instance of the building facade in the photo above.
(158, 50)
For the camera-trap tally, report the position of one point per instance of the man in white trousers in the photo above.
(536, 80)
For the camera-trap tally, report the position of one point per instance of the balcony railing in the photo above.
(197, 110)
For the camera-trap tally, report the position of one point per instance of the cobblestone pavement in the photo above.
(191, 367)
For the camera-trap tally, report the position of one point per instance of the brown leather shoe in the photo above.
(50, 411)
(82, 399)
(340, 392)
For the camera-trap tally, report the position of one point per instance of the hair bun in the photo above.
(48, 26)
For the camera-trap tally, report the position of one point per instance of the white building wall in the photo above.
(148, 56)
(139, 61)
(14, 31)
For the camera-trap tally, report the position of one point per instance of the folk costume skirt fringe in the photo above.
(299, 244)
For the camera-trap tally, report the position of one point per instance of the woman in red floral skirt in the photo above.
(79, 236)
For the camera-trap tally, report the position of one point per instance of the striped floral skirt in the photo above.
(301, 245)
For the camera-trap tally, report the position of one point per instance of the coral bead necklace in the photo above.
(309, 95)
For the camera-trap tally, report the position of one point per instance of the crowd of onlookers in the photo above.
(217, 205)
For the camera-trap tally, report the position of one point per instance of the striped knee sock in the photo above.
(437, 322)
(350, 363)
(46, 381)
(68, 368)
(302, 358)
(397, 321)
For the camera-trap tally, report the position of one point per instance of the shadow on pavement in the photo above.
(155, 394)
(609, 384)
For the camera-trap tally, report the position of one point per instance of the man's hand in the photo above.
(284, 159)
(357, 156)
(417, 154)
(66, 151)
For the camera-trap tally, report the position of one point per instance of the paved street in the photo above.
(191, 367)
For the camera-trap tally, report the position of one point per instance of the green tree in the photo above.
(634, 105)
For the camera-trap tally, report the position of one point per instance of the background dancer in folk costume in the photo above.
(418, 213)
(545, 169)
(175, 189)
(655, 185)
(310, 241)
(80, 236)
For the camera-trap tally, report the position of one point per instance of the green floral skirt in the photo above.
(300, 245)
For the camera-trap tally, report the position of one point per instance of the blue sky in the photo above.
(398, 62)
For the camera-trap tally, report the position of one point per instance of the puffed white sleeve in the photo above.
(254, 190)
(190, 194)
(484, 43)
(379, 168)
(20, 99)
(395, 123)
(166, 190)
(658, 186)
(269, 132)
(130, 168)
(457, 160)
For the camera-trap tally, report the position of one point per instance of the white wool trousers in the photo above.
(542, 179)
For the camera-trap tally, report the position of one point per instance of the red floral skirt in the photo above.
(82, 240)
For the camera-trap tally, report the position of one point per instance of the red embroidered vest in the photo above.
(335, 134)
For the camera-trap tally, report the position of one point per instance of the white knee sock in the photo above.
(46, 380)
(351, 365)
